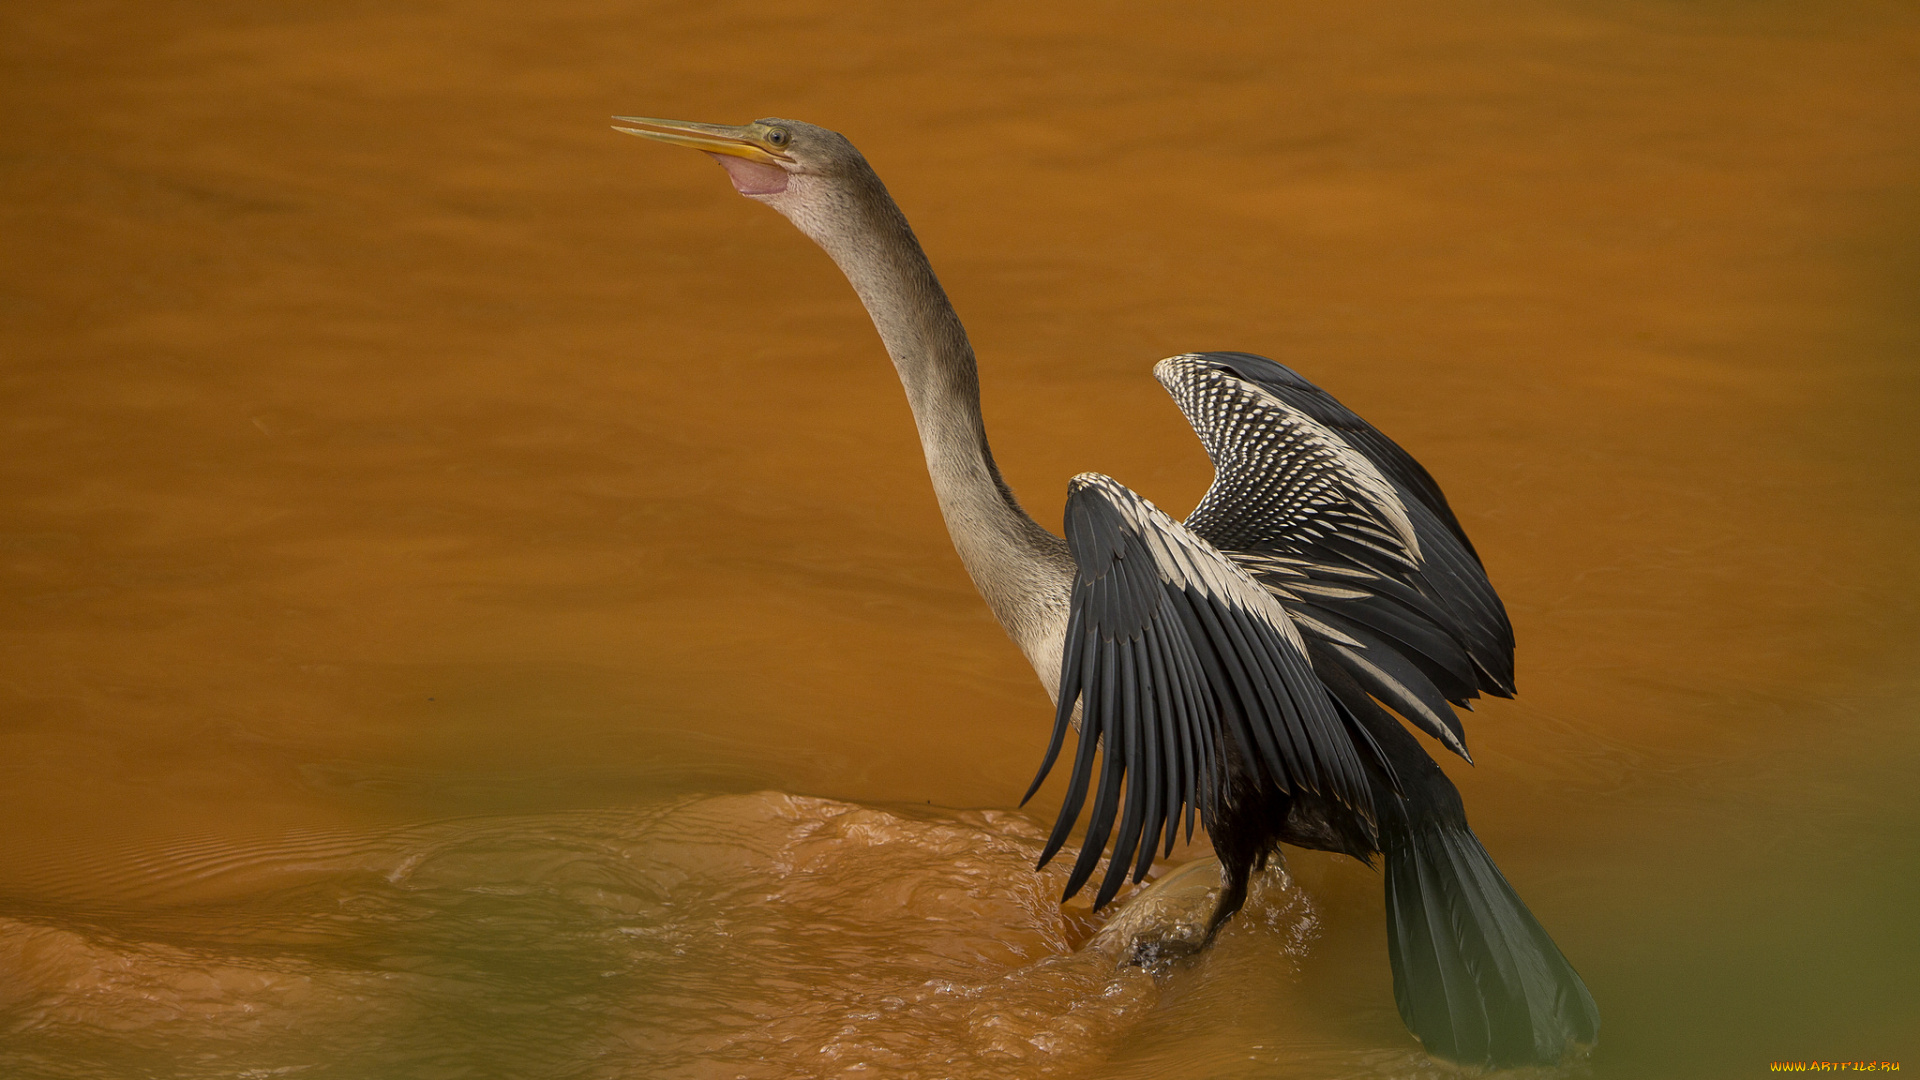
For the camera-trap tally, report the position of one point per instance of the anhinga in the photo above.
(1233, 665)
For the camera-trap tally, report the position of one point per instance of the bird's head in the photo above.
(789, 165)
(819, 182)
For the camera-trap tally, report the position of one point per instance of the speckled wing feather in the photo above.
(1178, 659)
(1286, 385)
(1350, 533)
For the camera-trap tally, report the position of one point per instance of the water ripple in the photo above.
(735, 936)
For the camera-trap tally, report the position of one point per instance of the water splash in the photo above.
(732, 936)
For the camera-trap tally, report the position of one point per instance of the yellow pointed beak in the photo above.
(746, 141)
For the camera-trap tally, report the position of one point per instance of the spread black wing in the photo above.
(1357, 545)
(1350, 533)
(1178, 660)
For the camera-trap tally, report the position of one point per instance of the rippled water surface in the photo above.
(474, 605)
(747, 935)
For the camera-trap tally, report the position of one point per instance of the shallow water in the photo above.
(743, 935)
(433, 523)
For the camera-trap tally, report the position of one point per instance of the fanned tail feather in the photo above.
(1476, 977)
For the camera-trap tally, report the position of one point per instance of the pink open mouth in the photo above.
(752, 177)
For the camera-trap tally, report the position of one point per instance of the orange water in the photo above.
(475, 607)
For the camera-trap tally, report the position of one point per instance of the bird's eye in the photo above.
(778, 137)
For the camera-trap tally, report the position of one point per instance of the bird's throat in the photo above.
(752, 177)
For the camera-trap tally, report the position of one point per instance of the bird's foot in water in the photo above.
(1161, 952)
(1167, 921)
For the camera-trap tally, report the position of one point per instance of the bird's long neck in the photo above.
(1017, 565)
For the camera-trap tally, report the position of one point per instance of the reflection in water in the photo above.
(752, 935)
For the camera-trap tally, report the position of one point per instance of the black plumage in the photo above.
(1236, 665)
(1170, 644)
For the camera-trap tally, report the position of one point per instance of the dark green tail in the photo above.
(1477, 979)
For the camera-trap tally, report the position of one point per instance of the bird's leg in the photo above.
(1165, 921)
(1243, 835)
(1234, 874)
(1177, 917)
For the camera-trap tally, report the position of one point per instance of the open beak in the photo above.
(746, 141)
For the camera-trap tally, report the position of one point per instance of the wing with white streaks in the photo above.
(1349, 532)
(1179, 660)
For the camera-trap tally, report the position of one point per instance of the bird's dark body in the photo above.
(1253, 819)
(1249, 823)
(1236, 666)
(1353, 539)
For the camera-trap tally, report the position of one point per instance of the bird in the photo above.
(1244, 666)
